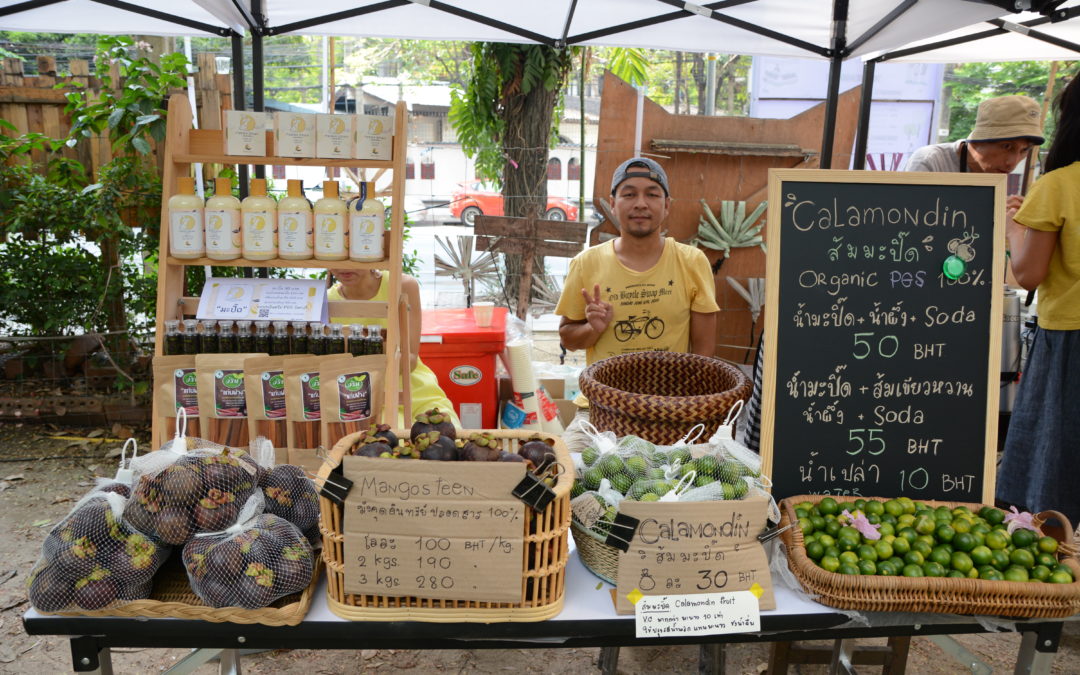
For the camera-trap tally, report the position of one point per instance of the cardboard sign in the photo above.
(444, 530)
(694, 548)
(267, 299)
(708, 614)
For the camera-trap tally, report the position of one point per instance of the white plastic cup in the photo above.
(482, 313)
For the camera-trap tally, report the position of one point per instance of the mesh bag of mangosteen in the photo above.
(251, 564)
(190, 486)
(433, 436)
(287, 490)
(92, 559)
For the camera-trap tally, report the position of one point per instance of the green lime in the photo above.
(961, 525)
(991, 574)
(828, 506)
(933, 569)
(1048, 545)
(730, 471)
(649, 497)
(832, 526)
(1060, 577)
(992, 515)
(848, 569)
(875, 508)
(941, 556)
(914, 558)
(922, 547)
(701, 480)
(963, 541)
(909, 506)
(1022, 538)
(681, 454)
(1016, 574)
(883, 549)
(1022, 558)
(901, 545)
(849, 558)
(611, 464)
(961, 562)
(867, 567)
(621, 482)
(708, 465)
(577, 489)
(741, 488)
(818, 521)
(592, 477)
(833, 551)
(956, 574)
(981, 555)
(997, 540)
(589, 456)
(825, 539)
(1047, 560)
(1062, 567)
(814, 550)
(887, 569)
(894, 508)
(656, 473)
(945, 533)
(638, 466)
(829, 563)
(1000, 559)
(912, 570)
(1040, 572)
(867, 552)
(806, 526)
(886, 529)
(925, 525)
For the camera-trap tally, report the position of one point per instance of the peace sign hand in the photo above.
(598, 313)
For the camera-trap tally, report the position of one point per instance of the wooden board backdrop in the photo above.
(882, 375)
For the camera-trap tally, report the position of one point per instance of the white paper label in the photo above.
(329, 234)
(270, 299)
(708, 614)
(366, 237)
(223, 231)
(259, 232)
(471, 415)
(186, 231)
(295, 235)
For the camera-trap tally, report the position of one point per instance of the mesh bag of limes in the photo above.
(631, 468)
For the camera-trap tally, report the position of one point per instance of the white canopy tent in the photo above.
(828, 29)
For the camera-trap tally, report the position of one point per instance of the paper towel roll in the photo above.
(523, 381)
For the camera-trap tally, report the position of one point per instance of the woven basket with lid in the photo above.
(659, 396)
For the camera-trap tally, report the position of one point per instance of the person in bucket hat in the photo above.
(1005, 129)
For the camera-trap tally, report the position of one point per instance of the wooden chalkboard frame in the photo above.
(777, 179)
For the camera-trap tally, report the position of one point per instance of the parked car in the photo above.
(474, 199)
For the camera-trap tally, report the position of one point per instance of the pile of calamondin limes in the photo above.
(901, 537)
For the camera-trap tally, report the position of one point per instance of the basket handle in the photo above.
(1056, 525)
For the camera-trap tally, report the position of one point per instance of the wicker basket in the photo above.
(660, 396)
(929, 594)
(172, 598)
(543, 566)
(599, 558)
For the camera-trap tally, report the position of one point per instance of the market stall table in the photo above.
(588, 619)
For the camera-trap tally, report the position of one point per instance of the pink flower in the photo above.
(1020, 520)
(860, 523)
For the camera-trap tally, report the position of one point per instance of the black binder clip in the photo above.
(621, 531)
(533, 491)
(336, 487)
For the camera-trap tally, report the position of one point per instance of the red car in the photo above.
(470, 200)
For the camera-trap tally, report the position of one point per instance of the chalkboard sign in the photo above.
(882, 373)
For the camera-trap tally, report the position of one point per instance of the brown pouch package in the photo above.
(351, 394)
(302, 407)
(222, 399)
(176, 388)
(264, 387)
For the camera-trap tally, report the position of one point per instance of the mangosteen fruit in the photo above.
(49, 590)
(432, 420)
(434, 445)
(505, 456)
(172, 526)
(95, 590)
(480, 448)
(538, 452)
(384, 432)
(180, 484)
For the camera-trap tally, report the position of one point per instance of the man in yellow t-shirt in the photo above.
(640, 291)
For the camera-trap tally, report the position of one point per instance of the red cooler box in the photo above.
(463, 355)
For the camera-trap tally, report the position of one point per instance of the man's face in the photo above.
(996, 156)
(641, 206)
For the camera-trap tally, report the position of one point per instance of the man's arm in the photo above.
(577, 334)
(702, 333)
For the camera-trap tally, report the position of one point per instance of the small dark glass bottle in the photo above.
(174, 341)
(245, 341)
(299, 343)
(262, 337)
(191, 337)
(336, 340)
(279, 343)
(226, 337)
(357, 342)
(317, 341)
(374, 339)
(208, 340)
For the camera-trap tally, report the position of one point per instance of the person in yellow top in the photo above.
(639, 291)
(362, 284)
(1042, 448)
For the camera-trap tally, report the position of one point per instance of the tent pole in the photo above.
(239, 100)
(257, 81)
(837, 51)
(865, 100)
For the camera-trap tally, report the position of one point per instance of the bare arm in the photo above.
(412, 293)
(1029, 252)
(703, 333)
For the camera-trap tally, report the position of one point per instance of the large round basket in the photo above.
(660, 396)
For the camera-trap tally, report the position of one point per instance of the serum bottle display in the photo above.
(260, 223)
(295, 233)
(186, 221)
(331, 241)
(367, 225)
(223, 222)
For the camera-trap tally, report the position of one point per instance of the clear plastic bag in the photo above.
(92, 559)
(288, 491)
(251, 564)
